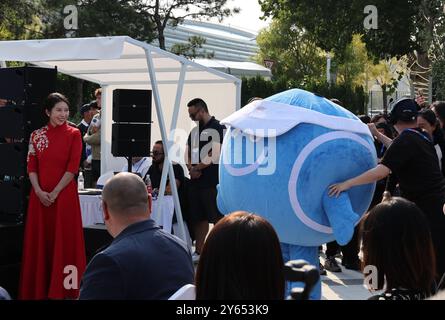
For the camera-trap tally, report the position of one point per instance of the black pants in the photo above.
(350, 250)
(433, 209)
(203, 204)
(95, 171)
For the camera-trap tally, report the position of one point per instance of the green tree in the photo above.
(332, 23)
(387, 74)
(163, 13)
(99, 18)
(353, 70)
(95, 18)
(192, 49)
(18, 19)
(297, 60)
(439, 80)
(259, 87)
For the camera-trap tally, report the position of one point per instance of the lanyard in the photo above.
(382, 149)
(421, 134)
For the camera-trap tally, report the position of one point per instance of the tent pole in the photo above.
(154, 86)
(173, 126)
(170, 140)
(238, 94)
(104, 130)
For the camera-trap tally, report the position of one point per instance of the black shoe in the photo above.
(331, 265)
(322, 270)
(354, 265)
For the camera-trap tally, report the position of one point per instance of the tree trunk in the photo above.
(161, 38)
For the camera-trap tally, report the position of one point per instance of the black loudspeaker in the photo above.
(11, 244)
(14, 163)
(132, 106)
(13, 197)
(25, 89)
(19, 121)
(130, 139)
(27, 85)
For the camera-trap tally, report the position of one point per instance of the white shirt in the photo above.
(84, 123)
(141, 167)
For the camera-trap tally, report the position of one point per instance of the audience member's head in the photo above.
(125, 201)
(404, 113)
(336, 101)
(385, 129)
(241, 259)
(397, 241)
(158, 152)
(427, 121)
(254, 99)
(98, 95)
(378, 118)
(439, 109)
(364, 118)
(197, 109)
(85, 112)
(94, 107)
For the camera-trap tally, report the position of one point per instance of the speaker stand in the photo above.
(130, 163)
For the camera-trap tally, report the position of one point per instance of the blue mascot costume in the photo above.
(278, 158)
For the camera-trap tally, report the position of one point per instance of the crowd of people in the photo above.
(241, 257)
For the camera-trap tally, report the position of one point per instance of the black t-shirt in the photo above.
(202, 138)
(156, 174)
(413, 160)
(83, 130)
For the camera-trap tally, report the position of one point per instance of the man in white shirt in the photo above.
(140, 166)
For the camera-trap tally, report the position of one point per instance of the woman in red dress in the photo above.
(54, 250)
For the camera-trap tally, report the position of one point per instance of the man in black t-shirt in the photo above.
(411, 157)
(202, 156)
(155, 170)
(155, 173)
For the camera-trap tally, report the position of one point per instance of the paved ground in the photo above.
(345, 285)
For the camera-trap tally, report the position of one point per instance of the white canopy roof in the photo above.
(108, 60)
(125, 63)
(247, 69)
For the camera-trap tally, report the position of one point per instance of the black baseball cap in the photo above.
(405, 109)
(94, 105)
(85, 108)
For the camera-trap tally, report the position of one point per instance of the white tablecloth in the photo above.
(91, 208)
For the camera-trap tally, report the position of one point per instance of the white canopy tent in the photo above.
(124, 63)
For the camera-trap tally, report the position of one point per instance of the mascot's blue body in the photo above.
(278, 159)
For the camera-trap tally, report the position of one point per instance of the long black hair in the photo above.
(241, 259)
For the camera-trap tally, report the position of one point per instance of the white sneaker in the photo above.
(195, 257)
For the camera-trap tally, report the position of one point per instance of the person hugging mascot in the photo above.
(278, 158)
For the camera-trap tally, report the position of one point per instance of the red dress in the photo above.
(53, 241)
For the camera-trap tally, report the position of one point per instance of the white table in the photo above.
(91, 208)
